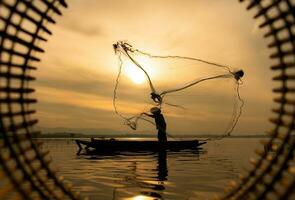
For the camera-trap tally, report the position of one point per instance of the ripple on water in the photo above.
(145, 175)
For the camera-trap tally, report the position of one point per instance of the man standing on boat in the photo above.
(160, 123)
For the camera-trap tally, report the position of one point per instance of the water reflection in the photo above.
(140, 197)
(162, 166)
(143, 179)
(153, 175)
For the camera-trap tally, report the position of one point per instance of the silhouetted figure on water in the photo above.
(160, 123)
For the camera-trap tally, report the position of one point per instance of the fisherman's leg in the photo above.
(159, 136)
(162, 136)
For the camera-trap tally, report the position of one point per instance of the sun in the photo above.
(135, 74)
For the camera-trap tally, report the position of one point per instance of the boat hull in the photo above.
(123, 145)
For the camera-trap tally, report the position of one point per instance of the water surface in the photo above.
(163, 175)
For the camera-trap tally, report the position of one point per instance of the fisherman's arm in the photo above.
(149, 115)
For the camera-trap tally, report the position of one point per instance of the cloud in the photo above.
(77, 26)
(59, 114)
(90, 101)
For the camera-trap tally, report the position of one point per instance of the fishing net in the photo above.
(173, 84)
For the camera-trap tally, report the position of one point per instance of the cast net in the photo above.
(179, 86)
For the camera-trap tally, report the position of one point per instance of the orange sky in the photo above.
(78, 71)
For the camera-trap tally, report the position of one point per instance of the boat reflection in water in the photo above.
(185, 174)
(142, 178)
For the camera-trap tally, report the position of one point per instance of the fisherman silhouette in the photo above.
(160, 123)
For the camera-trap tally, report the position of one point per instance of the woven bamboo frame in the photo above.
(23, 25)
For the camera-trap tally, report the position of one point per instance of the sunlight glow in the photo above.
(142, 197)
(135, 74)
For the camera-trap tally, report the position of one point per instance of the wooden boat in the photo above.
(113, 145)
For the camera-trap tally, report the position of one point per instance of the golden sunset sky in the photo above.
(78, 71)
